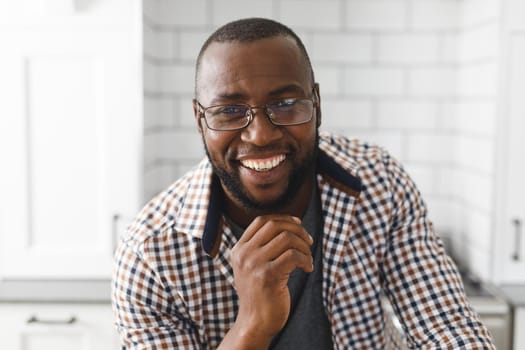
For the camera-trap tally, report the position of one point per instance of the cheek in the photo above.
(217, 143)
(305, 136)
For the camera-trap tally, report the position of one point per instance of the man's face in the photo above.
(262, 166)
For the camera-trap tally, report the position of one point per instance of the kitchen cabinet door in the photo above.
(510, 188)
(70, 135)
(57, 327)
(519, 326)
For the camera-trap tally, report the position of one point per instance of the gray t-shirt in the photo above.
(307, 326)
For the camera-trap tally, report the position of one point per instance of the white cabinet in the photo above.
(519, 326)
(509, 239)
(514, 218)
(70, 135)
(57, 327)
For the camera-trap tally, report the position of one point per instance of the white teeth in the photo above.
(263, 165)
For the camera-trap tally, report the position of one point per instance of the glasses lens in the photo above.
(229, 117)
(291, 111)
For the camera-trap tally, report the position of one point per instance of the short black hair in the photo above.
(248, 30)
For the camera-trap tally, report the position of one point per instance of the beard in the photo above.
(301, 170)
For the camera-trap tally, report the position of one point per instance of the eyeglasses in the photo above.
(285, 112)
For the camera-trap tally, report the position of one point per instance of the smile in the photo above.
(263, 164)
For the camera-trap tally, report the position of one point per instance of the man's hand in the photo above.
(269, 250)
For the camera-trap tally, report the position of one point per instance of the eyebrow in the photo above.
(287, 89)
(229, 97)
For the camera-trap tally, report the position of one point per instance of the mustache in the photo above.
(255, 150)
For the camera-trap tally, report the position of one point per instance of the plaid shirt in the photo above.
(173, 283)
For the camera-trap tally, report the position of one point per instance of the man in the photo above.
(283, 237)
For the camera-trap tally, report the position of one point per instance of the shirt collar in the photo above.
(341, 177)
(201, 215)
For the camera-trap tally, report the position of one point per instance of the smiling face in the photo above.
(262, 167)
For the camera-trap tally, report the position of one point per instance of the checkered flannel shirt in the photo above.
(173, 283)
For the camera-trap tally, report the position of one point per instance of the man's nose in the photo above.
(261, 131)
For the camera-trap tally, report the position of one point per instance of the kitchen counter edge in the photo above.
(55, 291)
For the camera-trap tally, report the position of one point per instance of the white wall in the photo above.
(416, 76)
(473, 119)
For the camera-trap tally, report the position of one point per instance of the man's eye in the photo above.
(231, 110)
(285, 103)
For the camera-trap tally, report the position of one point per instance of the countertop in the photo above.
(99, 291)
(63, 291)
(514, 293)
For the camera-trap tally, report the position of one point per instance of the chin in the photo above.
(266, 205)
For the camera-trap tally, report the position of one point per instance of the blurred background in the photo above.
(96, 118)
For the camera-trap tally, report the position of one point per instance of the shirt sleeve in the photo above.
(421, 281)
(147, 315)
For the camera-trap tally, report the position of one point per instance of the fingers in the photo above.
(288, 251)
(285, 241)
(265, 228)
(271, 247)
(292, 259)
(277, 243)
(260, 221)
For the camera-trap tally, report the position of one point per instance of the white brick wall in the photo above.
(310, 14)
(227, 10)
(475, 111)
(408, 48)
(179, 144)
(150, 76)
(330, 79)
(343, 48)
(407, 115)
(352, 114)
(449, 47)
(158, 45)
(383, 15)
(190, 43)
(435, 14)
(479, 43)
(176, 79)
(374, 81)
(478, 79)
(178, 13)
(160, 113)
(476, 12)
(432, 148)
(435, 82)
(470, 117)
(418, 77)
(476, 153)
(446, 213)
(425, 177)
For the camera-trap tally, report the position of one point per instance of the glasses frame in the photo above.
(250, 113)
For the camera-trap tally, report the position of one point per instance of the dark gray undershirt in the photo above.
(307, 326)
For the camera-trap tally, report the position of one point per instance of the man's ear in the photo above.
(317, 99)
(197, 115)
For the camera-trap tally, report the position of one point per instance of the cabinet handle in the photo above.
(35, 319)
(517, 239)
(114, 232)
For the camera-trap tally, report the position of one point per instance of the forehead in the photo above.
(252, 68)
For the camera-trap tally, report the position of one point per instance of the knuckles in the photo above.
(238, 256)
(250, 263)
(265, 276)
(292, 255)
(285, 238)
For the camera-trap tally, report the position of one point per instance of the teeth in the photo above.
(264, 164)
